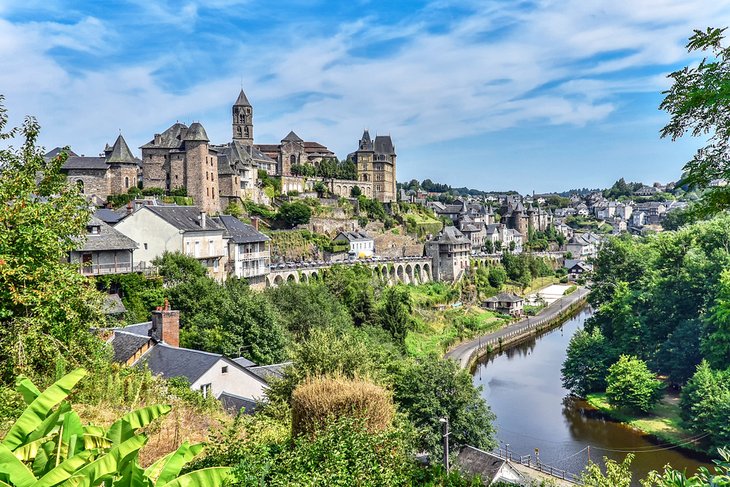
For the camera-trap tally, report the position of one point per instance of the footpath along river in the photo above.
(523, 388)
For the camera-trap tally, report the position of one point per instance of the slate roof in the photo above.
(113, 305)
(384, 145)
(120, 153)
(354, 236)
(196, 133)
(170, 138)
(56, 151)
(234, 404)
(240, 232)
(138, 328)
(292, 137)
(242, 101)
(125, 345)
(185, 218)
(179, 362)
(244, 362)
(451, 235)
(86, 163)
(366, 144)
(266, 372)
(108, 238)
(257, 156)
(478, 462)
(110, 216)
(504, 298)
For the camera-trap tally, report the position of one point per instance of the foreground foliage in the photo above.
(48, 446)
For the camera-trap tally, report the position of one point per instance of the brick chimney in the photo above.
(130, 209)
(203, 218)
(166, 325)
(255, 222)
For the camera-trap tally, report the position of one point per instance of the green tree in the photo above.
(46, 306)
(630, 384)
(395, 313)
(293, 214)
(234, 209)
(616, 475)
(489, 247)
(320, 188)
(716, 345)
(497, 277)
(176, 267)
(699, 103)
(705, 404)
(355, 287)
(355, 191)
(305, 307)
(586, 365)
(680, 354)
(431, 388)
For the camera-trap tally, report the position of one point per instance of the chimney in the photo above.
(166, 325)
(129, 208)
(202, 219)
(255, 222)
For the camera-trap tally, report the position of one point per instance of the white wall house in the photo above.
(159, 229)
(247, 251)
(361, 244)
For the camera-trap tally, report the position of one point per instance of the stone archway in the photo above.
(313, 276)
(417, 274)
(409, 274)
(278, 280)
(292, 278)
(304, 277)
(401, 275)
(427, 273)
(391, 275)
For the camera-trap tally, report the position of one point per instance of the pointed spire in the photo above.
(292, 137)
(120, 153)
(242, 101)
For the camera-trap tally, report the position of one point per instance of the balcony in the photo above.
(244, 256)
(102, 269)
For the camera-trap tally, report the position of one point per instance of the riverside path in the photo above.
(463, 352)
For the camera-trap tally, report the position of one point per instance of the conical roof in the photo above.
(196, 133)
(292, 137)
(120, 153)
(242, 101)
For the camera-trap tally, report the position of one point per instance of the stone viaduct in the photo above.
(406, 270)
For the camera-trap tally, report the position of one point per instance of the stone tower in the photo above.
(243, 120)
(122, 167)
(201, 169)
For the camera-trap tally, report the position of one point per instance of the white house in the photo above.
(185, 229)
(581, 247)
(247, 251)
(490, 468)
(362, 245)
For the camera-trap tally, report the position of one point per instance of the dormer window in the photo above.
(94, 229)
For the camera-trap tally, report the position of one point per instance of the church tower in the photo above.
(243, 120)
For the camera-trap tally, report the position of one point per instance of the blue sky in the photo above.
(528, 95)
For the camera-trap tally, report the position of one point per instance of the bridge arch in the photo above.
(278, 280)
(409, 274)
(417, 273)
(292, 277)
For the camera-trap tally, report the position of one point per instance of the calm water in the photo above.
(522, 386)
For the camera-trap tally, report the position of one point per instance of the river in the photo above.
(523, 388)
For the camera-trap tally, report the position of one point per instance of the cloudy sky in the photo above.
(530, 95)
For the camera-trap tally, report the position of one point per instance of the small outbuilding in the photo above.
(490, 468)
(507, 303)
(361, 244)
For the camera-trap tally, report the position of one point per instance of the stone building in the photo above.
(294, 150)
(214, 175)
(375, 162)
(113, 172)
(449, 252)
(523, 219)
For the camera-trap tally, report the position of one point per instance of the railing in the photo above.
(254, 255)
(526, 460)
(100, 269)
(290, 266)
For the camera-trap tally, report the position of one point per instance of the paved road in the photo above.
(463, 352)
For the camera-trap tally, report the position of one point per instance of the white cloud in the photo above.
(550, 66)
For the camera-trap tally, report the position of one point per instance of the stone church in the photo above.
(375, 162)
(214, 175)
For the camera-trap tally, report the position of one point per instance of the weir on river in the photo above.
(523, 388)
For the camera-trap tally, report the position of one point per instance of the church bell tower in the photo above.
(243, 120)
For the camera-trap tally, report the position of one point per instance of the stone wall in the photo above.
(94, 182)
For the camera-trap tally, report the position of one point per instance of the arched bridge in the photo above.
(406, 270)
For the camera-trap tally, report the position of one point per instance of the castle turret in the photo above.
(243, 120)
(201, 169)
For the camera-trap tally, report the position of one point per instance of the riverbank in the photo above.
(663, 423)
(469, 352)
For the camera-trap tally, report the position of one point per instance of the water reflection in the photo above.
(522, 386)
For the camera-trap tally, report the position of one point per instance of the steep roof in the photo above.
(384, 145)
(120, 153)
(108, 238)
(169, 139)
(125, 345)
(292, 137)
(183, 217)
(196, 133)
(242, 101)
(354, 236)
(107, 215)
(179, 362)
(240, 232)
(451, 235)
(478, 462)
(56, 151)
(234, 404)
(267, 372)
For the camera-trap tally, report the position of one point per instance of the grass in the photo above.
(536, 284)
(662, 422)
(437, 330)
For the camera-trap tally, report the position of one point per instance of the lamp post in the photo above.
(445, 427)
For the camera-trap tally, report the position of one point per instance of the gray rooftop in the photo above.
(108, 238)
(186, 218)
(107, 215)
(86, 163)
(450, 235)
(179, 362)
(504, 298)
(353, 236)
(292, 137)
(240, 232)
(384, 145)
(267, 372)
(125, 345)
(56, 151)
(170, 138)
(242, 101)
(196, 133)
(120, 153)
(234, 404)
(473, 461)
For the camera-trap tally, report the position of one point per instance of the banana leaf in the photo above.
(206, 477)
(108, 465)
(27, 389)
(39, 409)
(13, 470)
(65, 469)
(173, 463)
(124, 427)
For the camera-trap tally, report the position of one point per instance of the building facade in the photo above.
(449, 252)
(375, 162)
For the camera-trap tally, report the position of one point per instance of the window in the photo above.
(293, 159)
(126, 182)
(145, 245)
(224, 369)
(197, 248)
(215, 265)
(211, 247)
(205, 389)
(187, 248)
